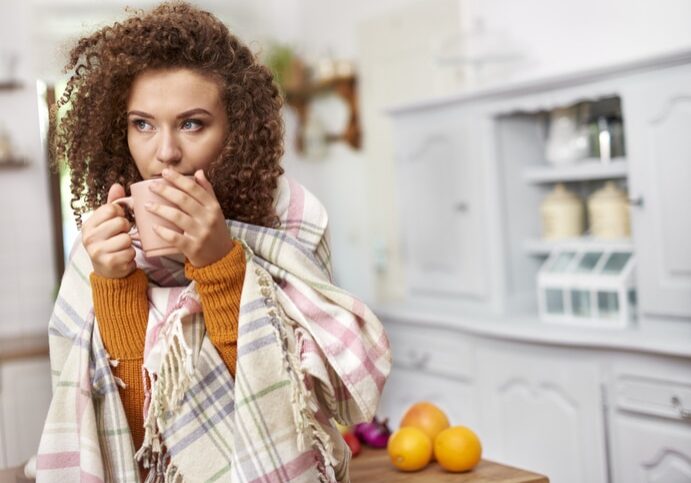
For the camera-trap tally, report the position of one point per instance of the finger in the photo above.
(123, 258)
(177, 217)
(178, 240)
(116, 244)
(108, 229)
(116, 192)
(187, 185)
(101, 214)
(177, 198)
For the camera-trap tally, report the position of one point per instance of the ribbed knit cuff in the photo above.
(220, 286)
(122, 309)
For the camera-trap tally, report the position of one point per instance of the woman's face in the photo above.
(175, 119)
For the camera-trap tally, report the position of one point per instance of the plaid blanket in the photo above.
(309, 353)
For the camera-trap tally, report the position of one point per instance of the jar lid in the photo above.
(560, 193)
(610, 191)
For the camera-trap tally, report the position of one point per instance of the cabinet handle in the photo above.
(637, 202)
(418, 361)
(683, 413)
(461, 207)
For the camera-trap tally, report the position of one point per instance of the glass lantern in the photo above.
(588, 285)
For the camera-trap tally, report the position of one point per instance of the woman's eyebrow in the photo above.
(191, 112)
(140, 114)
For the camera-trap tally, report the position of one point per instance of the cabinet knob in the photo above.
(461, 207)
(683, 412)
(638, 201)
(418, 361)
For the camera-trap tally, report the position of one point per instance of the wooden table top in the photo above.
(373, 465)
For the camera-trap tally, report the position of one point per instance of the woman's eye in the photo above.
(142, 125)
(191, 125)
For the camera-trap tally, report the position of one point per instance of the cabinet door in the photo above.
(406, 387)
(657, 116)
(650, 420)
(543, 411)
(430, 364)
(440, 192)
(651, 450)
(26, 393)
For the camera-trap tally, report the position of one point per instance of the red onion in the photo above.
(375, 434)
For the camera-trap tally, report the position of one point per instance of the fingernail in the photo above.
(165, 173)
(148, 205)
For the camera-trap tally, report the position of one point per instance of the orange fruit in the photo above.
(427, 417)
(457, 449)
(410, 449)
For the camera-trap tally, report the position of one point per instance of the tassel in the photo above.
(120, 382)
(303, 412)
(168, 389)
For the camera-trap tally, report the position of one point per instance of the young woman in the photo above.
(232, 360)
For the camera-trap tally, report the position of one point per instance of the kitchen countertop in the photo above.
(525, 328)
(374, 465)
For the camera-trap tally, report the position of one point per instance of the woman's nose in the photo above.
(169, 151)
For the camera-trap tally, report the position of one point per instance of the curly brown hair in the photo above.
(92, 136)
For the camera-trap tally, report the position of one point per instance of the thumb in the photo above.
(115, 192)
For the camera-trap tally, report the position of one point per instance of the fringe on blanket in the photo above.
(168, 389)
(309, 431)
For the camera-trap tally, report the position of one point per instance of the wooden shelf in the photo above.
(590, 169)
(13, 163)
(542, 248)
(10, 85)
(346, 87)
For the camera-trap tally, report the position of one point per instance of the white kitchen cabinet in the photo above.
(650, 420)
(430, 365)
(651, 451)
(658, 116)
(577, 404)
(24, 399)
(543, 411)
(593, 410)
(406, 387)
(441, 209)
(470, 201)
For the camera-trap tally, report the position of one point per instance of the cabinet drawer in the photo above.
(653, 396)
(432, 350)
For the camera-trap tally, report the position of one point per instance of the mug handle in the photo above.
(127, 203)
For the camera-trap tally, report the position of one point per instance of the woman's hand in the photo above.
(204, 238)
(106, 239)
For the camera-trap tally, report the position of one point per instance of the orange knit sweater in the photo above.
(122, 307)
